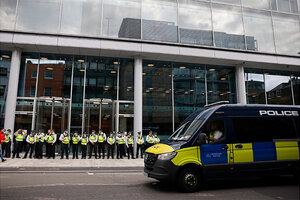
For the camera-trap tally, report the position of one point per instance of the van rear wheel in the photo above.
(189, 180)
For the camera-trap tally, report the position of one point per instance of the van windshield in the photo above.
(186, 130)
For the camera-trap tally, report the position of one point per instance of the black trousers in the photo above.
(130, 151)
(75, 151)
(47, 150)
(83, 151)
(17, 148)
(101, 148)
(93, 148)
(110, 150)
(51, 148)
(40, 150)
(31, 148)
(120, 150)
(36, 149)
(64, 148)
(6, 149)
(139, 148)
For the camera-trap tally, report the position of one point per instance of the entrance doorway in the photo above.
(99, 115)
(52, 113)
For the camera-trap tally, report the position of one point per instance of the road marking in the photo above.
(81, 171)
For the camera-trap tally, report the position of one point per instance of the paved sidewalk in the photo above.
(71, 163)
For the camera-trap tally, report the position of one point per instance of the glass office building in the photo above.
(139, 65)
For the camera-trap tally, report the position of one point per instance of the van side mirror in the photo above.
(201, 139)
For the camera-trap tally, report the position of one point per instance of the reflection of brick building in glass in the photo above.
(255, 91)
(47, 85)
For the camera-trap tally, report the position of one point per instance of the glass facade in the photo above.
(272, 87)
(5, 59)
(270, 26)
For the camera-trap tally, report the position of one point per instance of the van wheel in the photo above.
(189, 180)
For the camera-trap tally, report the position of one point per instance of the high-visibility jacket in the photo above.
(50, 139)
(101, 138)
(19, 137)
(66, 140)
(140, 140)
(111, 140)
(84, 141)
(129, 140)
(42, 138)
(93, 138)
(121, 140)
(150, 139)
(75, 139)
(7, 138)
(31, 138)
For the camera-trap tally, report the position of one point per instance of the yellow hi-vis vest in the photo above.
(140, 140)
(75, 140)
(129, 140)
(100, 138)
(151, 139)
(93, 138)
(42, 138)
(84, 141)
(19, 137)
(50, 139)
(121, 141)
(111, 140)
(66, 140)
(7, 138)
(31, 138)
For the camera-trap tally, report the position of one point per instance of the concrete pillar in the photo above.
(138, 98)
(240, 84)
(11, 99)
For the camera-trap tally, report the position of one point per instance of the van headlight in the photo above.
(166, 156)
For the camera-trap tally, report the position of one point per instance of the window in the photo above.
(216, 127)
(48, 74)
(263, 129)
(3, 71)
(48, 92)
(33, 74)
(2, 90)
(32, 90)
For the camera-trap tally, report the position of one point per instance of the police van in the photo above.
(228, 141)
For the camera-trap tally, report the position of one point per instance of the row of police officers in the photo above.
(98, 143)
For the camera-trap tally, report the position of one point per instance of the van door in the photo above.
(216, 156)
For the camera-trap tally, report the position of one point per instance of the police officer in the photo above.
(40, 138)
(129, 145)
(84, 141)
(31, 141)
(140, 144)
(65, 140)
(149, 140)
(6, 144)
(75, 142)
(47, 144)
(121, 145)
(19, 136)
(51, 141)
(110, 149)
(101, 143)
(156, 138)
(215, 133)
(93, 141)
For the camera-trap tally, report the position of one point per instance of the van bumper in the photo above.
(163, 170)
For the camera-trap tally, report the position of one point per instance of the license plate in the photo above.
(146, 174)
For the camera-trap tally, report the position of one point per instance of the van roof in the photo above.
(233, 109)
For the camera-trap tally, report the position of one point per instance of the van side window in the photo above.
(258, 129)
(214, 130)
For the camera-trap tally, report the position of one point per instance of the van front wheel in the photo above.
(189, 180)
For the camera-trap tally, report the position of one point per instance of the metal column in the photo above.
(240, 84)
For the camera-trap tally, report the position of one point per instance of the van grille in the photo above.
(150, 159)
